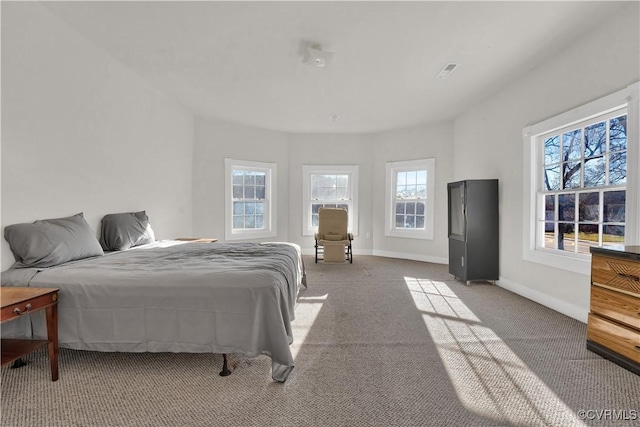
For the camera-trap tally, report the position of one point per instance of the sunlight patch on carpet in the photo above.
(305, 318)
(487, 375)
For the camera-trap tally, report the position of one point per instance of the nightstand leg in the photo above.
(52, 336)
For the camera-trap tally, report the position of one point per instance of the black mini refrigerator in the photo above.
(473, 229)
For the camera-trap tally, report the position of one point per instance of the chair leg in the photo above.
(316, 251)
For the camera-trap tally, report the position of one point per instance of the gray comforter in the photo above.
(178, 297)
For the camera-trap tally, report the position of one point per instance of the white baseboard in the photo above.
(389, 254)
(413, 257)
(571, 310)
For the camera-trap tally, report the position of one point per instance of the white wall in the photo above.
(421, 142)
(488, 144)
(80, 132)
(214, 141)
(329, 149)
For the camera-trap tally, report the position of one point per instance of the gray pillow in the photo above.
(122, 231)
(49, 242)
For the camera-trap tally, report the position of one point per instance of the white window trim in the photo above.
(307, 171)
(629, 98)
(391, 169)
(270, 229)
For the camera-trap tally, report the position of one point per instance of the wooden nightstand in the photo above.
(197, 239)
(17, 302)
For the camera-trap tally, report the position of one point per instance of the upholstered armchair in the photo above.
(332, 239)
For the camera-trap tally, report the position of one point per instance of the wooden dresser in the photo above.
(613, 329)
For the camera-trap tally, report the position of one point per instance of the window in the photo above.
(329, 186)
(582, 182)
(409, 198)
(581, 199)
(250, 199)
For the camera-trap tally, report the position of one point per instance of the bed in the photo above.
(170, 296)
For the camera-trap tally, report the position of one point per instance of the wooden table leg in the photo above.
(52, 336)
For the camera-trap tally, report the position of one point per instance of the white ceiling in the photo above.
(242, 61)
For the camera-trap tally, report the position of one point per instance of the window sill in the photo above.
(568, 263)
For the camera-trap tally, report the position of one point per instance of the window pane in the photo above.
(421, 178)
(342, 193)
(329, 181)
(249, 208)
(571, 174)
(238, 222)
(315, 193)
(549, 208)
(249, 192)
(410, 221)
(346, 207)
(613, 235)
(315, 207)
(328, 194)
(399, 207)
(595, 140)
(401, 178)
(399, 221)
(420, 222)
(259, 208)
(342, 181)
(314, 220)
(552, 177)
(614, 206)
(566, 207)
(618, 133)
(259, 221)
(238, 208)
(589, 207)
(421, 192)
(316, 181)
(237, 192)
(566, 237)
(260, 192)
(587, 237)
(552, 150)
(420, 208)
(549, 235)
(238, 177)
(411, 178)
(261, 179)
(571, 148)
(594, 172)
(410, 208)
(618, 168)
(250, 221)
(249, 178)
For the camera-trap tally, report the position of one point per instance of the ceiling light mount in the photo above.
(316, 57)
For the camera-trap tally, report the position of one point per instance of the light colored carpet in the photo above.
(380, 342)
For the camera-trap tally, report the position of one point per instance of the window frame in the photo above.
(269, 214)
(534, 160)
(392, 169)
(307, 171)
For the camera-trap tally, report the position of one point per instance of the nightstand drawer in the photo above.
(617, 274)
(624, 341)
(615, 305)
(26, 307)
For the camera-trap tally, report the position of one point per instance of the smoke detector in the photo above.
(316, 57)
